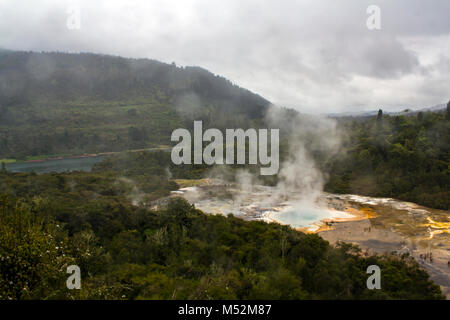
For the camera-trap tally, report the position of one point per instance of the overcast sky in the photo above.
(314, 56)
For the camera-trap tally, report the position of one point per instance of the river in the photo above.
(57, 165)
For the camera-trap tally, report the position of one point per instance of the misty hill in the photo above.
(53, 103)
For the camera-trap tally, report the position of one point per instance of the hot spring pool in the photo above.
(260, 204)
(306, 216)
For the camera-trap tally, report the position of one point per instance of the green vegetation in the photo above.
(404, 157)
(126, 251)
(55, 103)
(33, 251)
(7, 160)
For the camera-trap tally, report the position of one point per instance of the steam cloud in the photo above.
(299, 175)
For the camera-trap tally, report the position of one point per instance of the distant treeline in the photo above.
(405, 157)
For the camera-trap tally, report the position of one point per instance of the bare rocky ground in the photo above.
(383, 226)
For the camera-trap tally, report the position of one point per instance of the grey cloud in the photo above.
(389, 58)
(310, 55)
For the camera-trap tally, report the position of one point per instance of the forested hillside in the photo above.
(57, 103)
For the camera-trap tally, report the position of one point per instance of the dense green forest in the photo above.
(404, 157)
(56, 103)
(128, 251)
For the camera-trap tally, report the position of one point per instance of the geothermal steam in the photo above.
(294, 200)
(300, 180)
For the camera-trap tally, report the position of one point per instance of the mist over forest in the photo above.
(88, 181)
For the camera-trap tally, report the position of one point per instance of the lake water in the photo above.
(62, 165)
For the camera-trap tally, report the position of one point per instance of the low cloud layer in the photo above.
(312, 57)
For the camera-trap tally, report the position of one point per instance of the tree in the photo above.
(380, 119)
(34, 253)
(136, 134)
(3, 168)
(380, 115)
(448, 111)
(420, 116)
